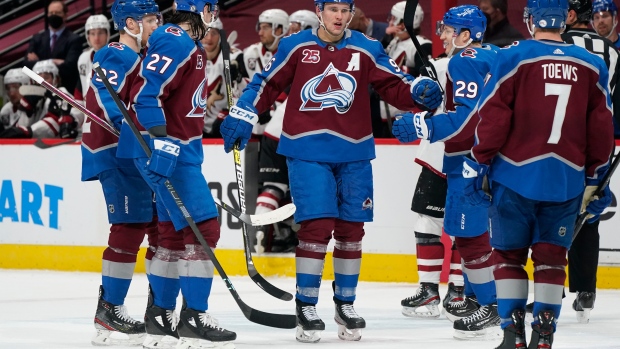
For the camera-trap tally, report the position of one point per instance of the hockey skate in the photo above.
(456, 310)
(349, 323)
(514, 335)
(481, 325)
(199, 330)
(111, 318)
(424, 303)
(160, 323)
(542, 333)
(583, 305)
(309, 325)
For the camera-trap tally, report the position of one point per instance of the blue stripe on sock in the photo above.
(196, 291)
(115, 289)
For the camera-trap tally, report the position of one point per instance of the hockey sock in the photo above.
(152, 236)
(164, 273)
(467, 290)
(314, 235)
(511, 281)
(549, 277)
(119, 260)
(269, 199)
(347, 258)
(478, 265)
(456, 271)
(429, 253)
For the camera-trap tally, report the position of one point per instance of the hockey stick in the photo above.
(42, 145)
(410, 8)
(257, 316)
(254, 275)
(601, 186)
(262, 219)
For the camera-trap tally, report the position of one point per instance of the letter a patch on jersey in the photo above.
(354, 63)
(332, 89)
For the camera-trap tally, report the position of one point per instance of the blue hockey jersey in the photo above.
(120, 64)
(327, 117)
(466, 73)
(169, 91)
(545, 120)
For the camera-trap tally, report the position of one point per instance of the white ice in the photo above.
(47, 309)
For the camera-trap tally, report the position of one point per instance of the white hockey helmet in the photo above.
(217, 24)
(96, 22)
(398, 14)
(46, 66)
(306, 19)
(276, 18)
(16, 76)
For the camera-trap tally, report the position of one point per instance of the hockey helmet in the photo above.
(306, 19)
(583, 9)
(604, 5)
(136, 9)
(397, 15)
(465, 17)
(196, 6)
(321, 3)
(46, 66)
(276, 18)
(96, 22)
(548, 14)
(217, 24)
(16, 76)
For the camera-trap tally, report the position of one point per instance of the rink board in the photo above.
(49, 219)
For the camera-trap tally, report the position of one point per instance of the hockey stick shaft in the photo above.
(254, 275)
(599, 190)
(273, 320)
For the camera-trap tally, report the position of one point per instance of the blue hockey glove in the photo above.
(237, 125)
(597, 204)
(163, 159)
(476, 184)
(426, 91)
(411, 126)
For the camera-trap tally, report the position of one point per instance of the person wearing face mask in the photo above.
(499, 32)
(58, 44)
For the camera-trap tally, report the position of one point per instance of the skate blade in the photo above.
(583, 317)
(349, 334)
(307, 336)
(196, 343)
(104, 338)
(429, 311)
(157, 342)
(487, 334)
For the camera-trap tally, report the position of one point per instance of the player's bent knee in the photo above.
(127, 236)
(347, 231)
(209, 229)
(316, 230)
(169, 238)
(473, 248)
(549, 254)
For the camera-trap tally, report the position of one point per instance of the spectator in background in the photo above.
(57, 43)
(499, 32)
(363, 24)
(97, 33)
(605, 20)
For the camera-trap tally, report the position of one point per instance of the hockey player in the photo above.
(169, 98)
(97, 32)
(535, 158)
(605, 20)
(327, 140)
(462, 31)
(272, 26)
(11, 113)
(217, 101)
(128, 197)
(302, 20)
(46, 115)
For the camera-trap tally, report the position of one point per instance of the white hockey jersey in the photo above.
(255, 58)
(10, 116)
(85, 68)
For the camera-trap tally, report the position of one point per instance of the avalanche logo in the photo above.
(333, 88)
(199, 102)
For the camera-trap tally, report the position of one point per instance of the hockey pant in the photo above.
(181, 263)
(314, 236)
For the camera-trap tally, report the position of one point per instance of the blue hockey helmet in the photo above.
(321, 3)
(548, 14)
(604, 5)
(197, 7)
(462, 17)
(136, 9)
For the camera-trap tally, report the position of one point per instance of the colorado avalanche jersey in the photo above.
(465, 79)
(327, 116)
(217, 102)
(85, 68)
(120, 63)
(169, 91)
(545, 120)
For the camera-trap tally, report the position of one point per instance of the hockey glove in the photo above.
(476, 183)
(67, 127)
(426, 92)
(595, 204)
(58, 107)
(238, 126)
(411, 126)
(163, 159)
(30, 104)
(17, 132)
